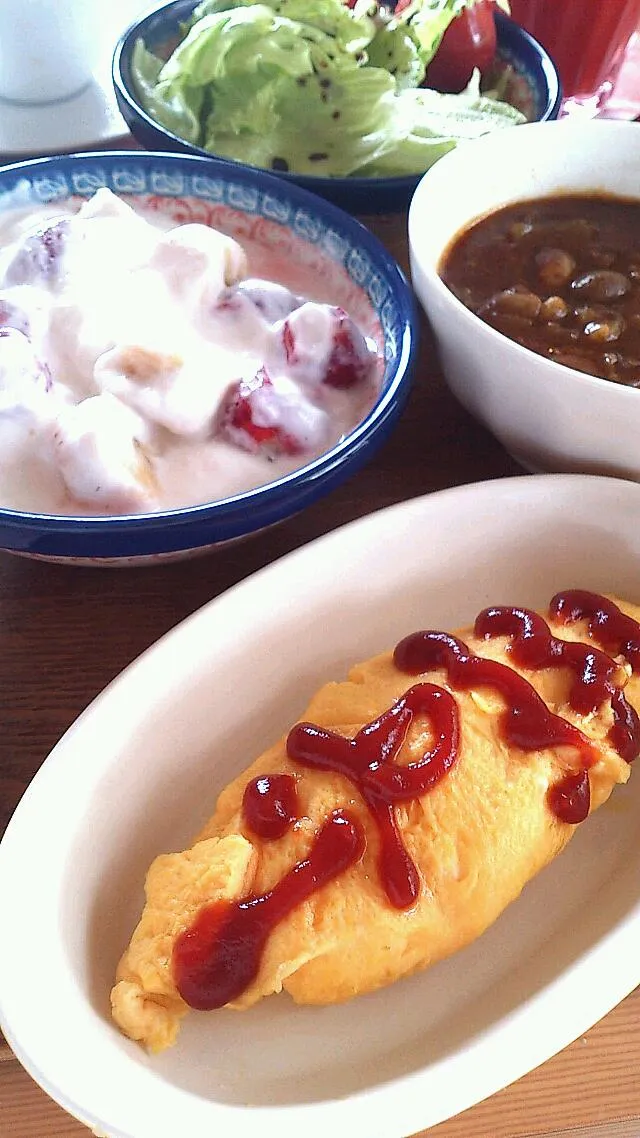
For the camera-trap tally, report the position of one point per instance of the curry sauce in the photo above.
(561, 276)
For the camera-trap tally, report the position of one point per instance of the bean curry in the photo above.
(561, 276)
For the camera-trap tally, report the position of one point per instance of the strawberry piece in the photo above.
(250, 417)
(322, 345)
(351, 360)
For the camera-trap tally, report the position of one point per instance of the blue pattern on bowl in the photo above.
(254, 192)
(357, 195)
(533, 65)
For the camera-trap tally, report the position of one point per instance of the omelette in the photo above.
(396, 820)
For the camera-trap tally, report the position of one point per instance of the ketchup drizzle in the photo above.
(270, 805)
(525, 722)
(624, 735)
(368, 762)
(608, 626)
(534, 646)
(570, 798)
(595, 673)
(219, 955)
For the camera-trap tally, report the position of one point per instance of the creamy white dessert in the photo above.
(143, 368)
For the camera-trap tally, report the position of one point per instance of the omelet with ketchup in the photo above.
(396, 821)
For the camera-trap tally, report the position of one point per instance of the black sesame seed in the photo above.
(318, 157)
(325, 82)
(301, 81)
(279, 164)
(336, 115)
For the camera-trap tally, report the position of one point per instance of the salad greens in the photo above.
(314, 87)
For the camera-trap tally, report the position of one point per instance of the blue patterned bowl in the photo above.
(535, 87)
(247, 203)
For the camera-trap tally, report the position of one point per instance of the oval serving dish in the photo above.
(142, 768)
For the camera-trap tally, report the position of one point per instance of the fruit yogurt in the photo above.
(143, 368)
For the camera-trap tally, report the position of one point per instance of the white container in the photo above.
(548, 416)
(48, 48)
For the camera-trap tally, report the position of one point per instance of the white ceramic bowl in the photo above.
(142, 769)
(548, 416)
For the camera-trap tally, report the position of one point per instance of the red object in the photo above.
(526, 722)
(240, 419)
(469, 42)
(570, 798)
(587, 42)
(270, 805)
(351, 360)
(368, 762)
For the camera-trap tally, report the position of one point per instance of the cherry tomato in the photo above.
(469, 41)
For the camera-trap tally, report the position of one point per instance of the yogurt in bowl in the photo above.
(142, 367)
(187, 353)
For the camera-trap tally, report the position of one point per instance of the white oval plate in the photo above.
(141, 770)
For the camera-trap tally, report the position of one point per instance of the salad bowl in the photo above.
(336, 253)
(531, 78)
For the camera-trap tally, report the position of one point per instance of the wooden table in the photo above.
(66, 632)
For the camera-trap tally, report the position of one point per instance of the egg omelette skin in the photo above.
(476, 838)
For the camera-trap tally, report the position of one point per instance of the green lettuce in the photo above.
(332, 132)
(396, 49)
(350, 31)
(437, 124)
(313, 87)
(177, 105)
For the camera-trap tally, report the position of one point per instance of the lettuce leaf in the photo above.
(437, 124)
(313, 128)
(175, 105)
(396, 49)
(350, 32)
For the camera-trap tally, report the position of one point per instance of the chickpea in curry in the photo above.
(561, 276)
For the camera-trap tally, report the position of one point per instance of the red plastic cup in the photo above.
(587, 40)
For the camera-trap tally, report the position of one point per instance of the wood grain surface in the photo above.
(66, 632)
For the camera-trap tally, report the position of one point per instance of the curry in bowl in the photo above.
(559, 275)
